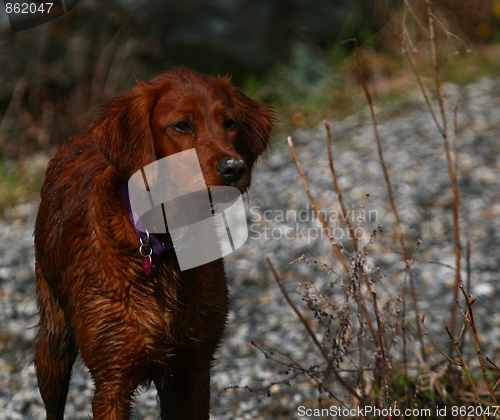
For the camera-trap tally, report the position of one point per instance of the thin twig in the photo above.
(470, 301)
(460, 362)
(423, 90)
(366, 90)
(310, 332)
(436, 345)
(349, 226)
(436, 69)
(466, 371)
(340, 197)
(385, 367)
(397, 223)
(296, 367)
(452, 169)
(468, 283)
(415, 16)
(442, 127)
(290, 302)
(453, 173)
(335, 246)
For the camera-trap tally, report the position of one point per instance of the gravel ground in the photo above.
(242, 374)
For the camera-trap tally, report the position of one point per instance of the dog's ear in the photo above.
(123, 131)
(255, 124)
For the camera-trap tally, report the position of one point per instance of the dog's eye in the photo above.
(229, 124)
(183, 127)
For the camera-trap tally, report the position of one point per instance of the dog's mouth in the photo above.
(218, 181)
(241, 185)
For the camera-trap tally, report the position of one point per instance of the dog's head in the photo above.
(181, 110)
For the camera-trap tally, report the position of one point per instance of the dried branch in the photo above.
(385, 364)
(335, 246)
(310, 332)
(470, 319)
(397, 223)
(337, 185)
(460, 362)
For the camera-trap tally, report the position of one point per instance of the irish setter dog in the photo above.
(94, 296)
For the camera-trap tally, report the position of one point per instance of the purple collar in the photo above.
(159, 247)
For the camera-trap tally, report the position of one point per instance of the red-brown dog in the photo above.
(94, 295)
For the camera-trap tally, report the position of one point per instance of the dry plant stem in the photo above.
(296, 367)
(342, 203)
(496, 384)
(361, 362)
(337, 186)
(467, 373)
(277, 278)
(468, 284)
(455, 139)
(366, 90)
(435, 64)
(359, 68)
(468, 266)
(310, 332)
(452, 169)
(385, 364)
(415, 16)
(405, 348)
(320, 217)
(495, 367)
(443, 130)
(460, 362)
(470, 320)
(423, 90)
(335, 246)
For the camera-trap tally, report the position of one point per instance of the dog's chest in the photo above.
(166, 317)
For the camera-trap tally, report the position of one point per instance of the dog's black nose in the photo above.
(232, 170)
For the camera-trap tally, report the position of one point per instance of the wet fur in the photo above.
(93, 295)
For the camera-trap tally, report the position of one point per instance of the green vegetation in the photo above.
(17, 183)
(318, 86)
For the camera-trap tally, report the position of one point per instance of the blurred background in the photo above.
(287, 53)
